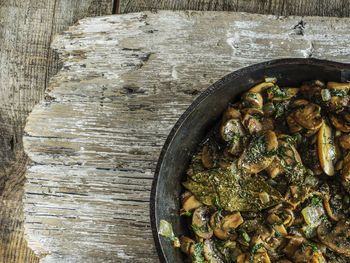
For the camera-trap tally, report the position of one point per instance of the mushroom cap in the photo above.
(260, 153)
(308, 116)
(208, 155)
(200, 220)
(253, 99)
(230, 129)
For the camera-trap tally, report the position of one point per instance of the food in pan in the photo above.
(271, 182)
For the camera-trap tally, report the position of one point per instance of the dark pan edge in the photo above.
(202, 96)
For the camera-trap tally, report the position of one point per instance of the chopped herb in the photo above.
(197, 255)
(323, 217)
(254, 249)
(316, 201)
(198, 229)
(245, 235)
(244, 194)
(188, 213)
(338, 92)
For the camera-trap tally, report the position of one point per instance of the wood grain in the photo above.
(26, 63)
(339, 8)
(94, 141)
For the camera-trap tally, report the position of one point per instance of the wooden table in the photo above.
(86, 198)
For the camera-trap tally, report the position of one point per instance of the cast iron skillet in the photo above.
(201, 115)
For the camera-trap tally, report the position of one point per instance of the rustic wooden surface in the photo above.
(26, 63)
(338, 8)
(94, 141)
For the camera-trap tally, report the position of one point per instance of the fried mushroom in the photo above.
(336, 238)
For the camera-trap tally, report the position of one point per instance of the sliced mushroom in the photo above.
(276, 94)
(223, 225)
(260, 153)
(344, 141)
(336, 238)
(339, 122)
(252, 124)
(232, 132)
(231, 113)
(275, 168)
(186, 243)
(230, 129)
(190, 203)
(337, 104)
(209, 252)
(292, 124)
(261, 87)
(336, 85)
(208, 155)
(200, 223)
(328, 208)
(277, 224)
(293, 245)
(308, 116)
(252, 100)
(309, 90)
(309, 254)
(284, 261)
(326, 149)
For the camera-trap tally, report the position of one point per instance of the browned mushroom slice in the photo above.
(309, 116)
(275, 168)
(309, 90)
(326, 149)
(337, 104)
(189, 204)
(293, 245)
(208, 155)
(309, 253)
(344, 141)
(276, 94)
(209, 252)
(261, 87)
(292, 124)
(252, 100)
(336, 238)
(260, 153)
(338, 86)
(284, 261)
(252, 124)
(230, 129)
(223, 225)
(185, 244)
(231, 113)
(277, 224)
(200, 223)
(339, 123)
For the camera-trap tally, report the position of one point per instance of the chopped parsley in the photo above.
(254, 249)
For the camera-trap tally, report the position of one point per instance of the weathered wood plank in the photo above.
(125, 80)
(26, 62)
(339, 8)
